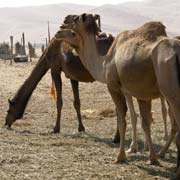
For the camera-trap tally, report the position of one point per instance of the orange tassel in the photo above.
(53, 94)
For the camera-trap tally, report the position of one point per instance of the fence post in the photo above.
(11, 40)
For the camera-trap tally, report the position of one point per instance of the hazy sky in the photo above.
(18, 3)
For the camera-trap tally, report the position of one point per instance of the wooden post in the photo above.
(23, 42)
(46, 43)
(11, 40)
(49, 37)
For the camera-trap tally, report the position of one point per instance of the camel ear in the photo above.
(83, 17)
(10, 102)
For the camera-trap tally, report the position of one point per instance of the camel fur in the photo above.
(142, 63)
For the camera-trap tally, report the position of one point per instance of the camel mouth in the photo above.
(64, 34)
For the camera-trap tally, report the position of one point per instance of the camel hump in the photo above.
(150, 31)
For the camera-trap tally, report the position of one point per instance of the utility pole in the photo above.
(49, 38)
(46, 43)
(11, 40)
(23, 43)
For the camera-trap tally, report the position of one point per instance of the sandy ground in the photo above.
(30, 151)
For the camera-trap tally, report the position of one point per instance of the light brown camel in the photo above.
(134, 145)
(59, 58)
(173, 130)
(143, 63)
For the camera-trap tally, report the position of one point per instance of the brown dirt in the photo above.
(30, 151)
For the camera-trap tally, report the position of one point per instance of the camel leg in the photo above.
(121, 107)
(77, 104)
(174, 105)
(145, 111)
(177, 177)
(117, 135)
(146, 146)
(59, 103)
(164, 114)
(169, 70)
(133, 146)
(171, 136)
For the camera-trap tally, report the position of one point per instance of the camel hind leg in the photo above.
(164, 115)
(117, 135)
(133, 146)
(77, 104)
(171, 135)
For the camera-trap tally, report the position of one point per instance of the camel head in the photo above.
(83, 23)
(69, 37)
(13, 113)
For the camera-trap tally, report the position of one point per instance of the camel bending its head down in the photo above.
(59, 58)
(143, 63)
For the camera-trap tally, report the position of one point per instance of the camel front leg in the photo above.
(133, 146)
(164, 115)
(145, 111)
(121, 107)
(77, 104)
(59, 102)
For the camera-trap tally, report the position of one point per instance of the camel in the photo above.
(58, 57)
(173, 128)
(71, 65)
(143, 63)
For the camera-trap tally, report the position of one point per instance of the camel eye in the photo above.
(73, 34)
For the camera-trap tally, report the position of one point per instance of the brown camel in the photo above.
(143, 63)
(73, 69)
(173, 130)
(58, 57)
(71, 65)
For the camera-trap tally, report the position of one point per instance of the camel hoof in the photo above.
(131, 150)
(161, 155)
(146, 149)
(7, 127)
(176, 178)
(154, 162)
(121, 157)
(81, 129)
(118, 161)
(116, 140)
(56, 130)
(165, 138)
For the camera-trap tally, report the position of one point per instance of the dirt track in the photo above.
(30, 151)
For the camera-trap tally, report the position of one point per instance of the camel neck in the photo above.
(91, 59)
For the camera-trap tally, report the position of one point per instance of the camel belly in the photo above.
(136, 74)
(76, 71)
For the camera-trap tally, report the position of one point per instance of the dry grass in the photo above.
(30, 151)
